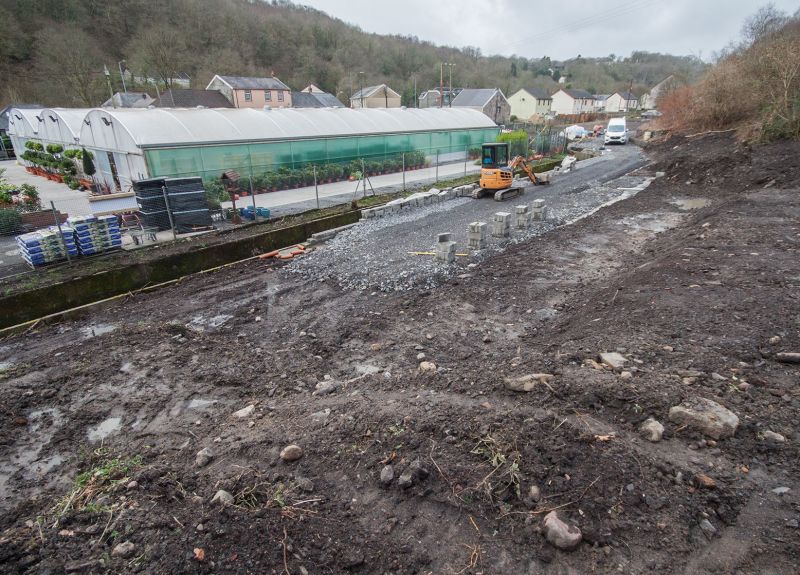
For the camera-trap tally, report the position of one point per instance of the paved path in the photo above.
(303, 199)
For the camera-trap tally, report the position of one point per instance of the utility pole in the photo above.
(361, 91)
(441, 84)
(450, 93)
(108, 82)
(122, 75)
(416, 101)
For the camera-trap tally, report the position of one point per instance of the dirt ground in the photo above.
(694, 281)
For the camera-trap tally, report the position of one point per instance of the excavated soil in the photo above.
(694, 281)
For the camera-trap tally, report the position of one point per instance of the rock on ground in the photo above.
(291, 453)
(706, 416)
(427, 367)
(613, 359)
(561, 534)
(223, 497)
(124, 549)
(527, 382)
(387, 475)
(203, 457)
(245, 411)
(652, 430)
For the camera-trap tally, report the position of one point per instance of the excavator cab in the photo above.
(495, 173)
(494, 155)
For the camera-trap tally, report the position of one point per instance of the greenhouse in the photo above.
(133, 144)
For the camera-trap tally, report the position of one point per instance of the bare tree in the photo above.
(68, 61)
(767, 20)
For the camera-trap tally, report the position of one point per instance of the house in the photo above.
(435, 99)
(429, 99)
(649, 100)
(622, 102)
(490, 101)
(128, 100)
(313, 89)
(4, 112)
(192, 98)
(571, 102)
(315, 99)
(529, 102)
(600, 102)
(380, 96)
(247, 92)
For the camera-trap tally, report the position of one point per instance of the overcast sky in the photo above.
(558, 29)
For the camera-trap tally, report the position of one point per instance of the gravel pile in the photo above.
(377, 254)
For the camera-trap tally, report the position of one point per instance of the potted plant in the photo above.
(88, 166)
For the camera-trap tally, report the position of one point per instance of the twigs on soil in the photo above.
(285, 558)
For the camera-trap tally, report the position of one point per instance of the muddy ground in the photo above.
(694, 280)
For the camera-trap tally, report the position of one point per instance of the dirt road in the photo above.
(694, 281)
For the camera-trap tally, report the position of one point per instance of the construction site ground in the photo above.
(120, 427)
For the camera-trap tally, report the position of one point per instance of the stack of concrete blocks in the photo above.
(538, 210)
(477, 235)
(501, 225)
(523, 217)
(445, 249)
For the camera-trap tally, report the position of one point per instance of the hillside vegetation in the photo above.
(53, 52)
(754, 87)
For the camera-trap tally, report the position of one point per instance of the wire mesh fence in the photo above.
(43, 221)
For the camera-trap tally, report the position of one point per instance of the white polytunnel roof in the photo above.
(24, 122)
(62, 125)
(133, 129)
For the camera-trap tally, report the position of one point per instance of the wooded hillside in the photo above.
(53, 52)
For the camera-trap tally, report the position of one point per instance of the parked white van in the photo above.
(617, 131)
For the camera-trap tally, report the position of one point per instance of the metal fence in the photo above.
(43, 222)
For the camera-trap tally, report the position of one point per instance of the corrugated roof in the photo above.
(129, 100)
(130, 129)
(251, 83)
(474, 97)
(315, 100)
(191, 98)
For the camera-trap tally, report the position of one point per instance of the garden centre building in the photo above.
(134, 144)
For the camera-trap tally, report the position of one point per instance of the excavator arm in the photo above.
(519, 162)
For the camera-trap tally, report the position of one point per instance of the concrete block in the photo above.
(446, 252)
(523, 217)
(444, 237)
(538, 211)
(501, 225)
(476, 235)
(368, 214)
(433, 191)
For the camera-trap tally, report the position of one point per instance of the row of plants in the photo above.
(59, 165)
(286, 178)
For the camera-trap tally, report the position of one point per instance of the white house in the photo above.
(622, 102)
(529, 102)
(570, 102)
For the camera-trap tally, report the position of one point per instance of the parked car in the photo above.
(616, 132)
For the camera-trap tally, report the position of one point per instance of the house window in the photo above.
(267, 95)
(280, 96)
(248, 96)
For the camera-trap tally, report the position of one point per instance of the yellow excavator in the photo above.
(497, 173)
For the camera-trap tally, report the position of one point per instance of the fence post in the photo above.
(316, 187)
(437, 166)
(404, 171)
(253, 195)
(364, 176)
(466, 159)
(169, 212)
(60, 233)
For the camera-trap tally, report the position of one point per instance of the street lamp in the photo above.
(441, 81)
(361, 90)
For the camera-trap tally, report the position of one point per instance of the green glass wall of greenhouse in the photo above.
(209, 161)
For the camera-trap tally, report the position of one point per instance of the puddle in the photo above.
(216, 321)
(690, 203)
(91, 331)
(104, 429)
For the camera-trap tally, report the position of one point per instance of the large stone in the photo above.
(203, 457)
(387, 475)
(527, 382)
(706, 416)
(560, 534)
(291, 453)
(652, 430)
(223, 497)
(124, 549)
(788, 357)
(245, 411)
(613, 359)
(427, 367)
